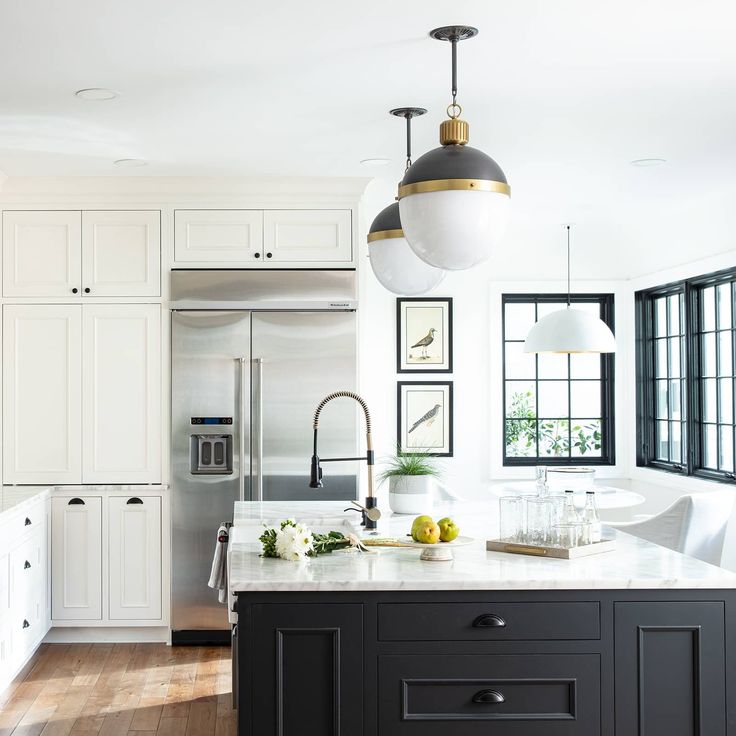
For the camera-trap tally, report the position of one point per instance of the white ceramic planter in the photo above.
(411, 494)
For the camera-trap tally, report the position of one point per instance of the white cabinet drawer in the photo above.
(4, 582)
(26, 566)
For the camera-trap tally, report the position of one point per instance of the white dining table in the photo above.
(606, 497)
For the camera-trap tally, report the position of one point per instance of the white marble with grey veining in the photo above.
(635, 564)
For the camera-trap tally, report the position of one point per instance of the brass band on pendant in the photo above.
(463, 185)
(385, 235)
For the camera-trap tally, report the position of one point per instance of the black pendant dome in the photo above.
(387, 224)
(454, 162)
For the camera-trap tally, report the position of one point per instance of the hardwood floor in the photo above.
(121, 690)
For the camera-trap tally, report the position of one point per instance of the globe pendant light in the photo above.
(570, 330)
(454, 199)
(394, 263)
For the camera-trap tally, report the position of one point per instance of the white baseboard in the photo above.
(106, 634)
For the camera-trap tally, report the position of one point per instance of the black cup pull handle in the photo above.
(489, 621)
(27, 522)
(75, 502)
(133, 500)
(486, 697)
(25, 623)
(27, 565)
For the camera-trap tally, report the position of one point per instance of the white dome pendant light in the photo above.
(570, 330)
(394, 263)
(454, 200)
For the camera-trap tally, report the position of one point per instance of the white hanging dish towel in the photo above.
(218, 575)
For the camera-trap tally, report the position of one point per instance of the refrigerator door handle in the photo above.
(257, 429)
(241, 428)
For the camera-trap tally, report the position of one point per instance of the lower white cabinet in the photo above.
(76, 558)
(134, 528)
(106, 560)
(24, 618)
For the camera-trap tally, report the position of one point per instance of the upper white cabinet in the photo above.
(121, 253)
(42, 393)
(263, 238)
(121, 393)
(67, 363)
(75, 254)
(218, 236)
(42, 254)
(307, 236)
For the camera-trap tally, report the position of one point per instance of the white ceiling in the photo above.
(562, 94)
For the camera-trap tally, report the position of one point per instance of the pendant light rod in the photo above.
(408, 113)
(454, 34)
(568, 266)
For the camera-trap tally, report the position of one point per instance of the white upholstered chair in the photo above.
(694, 525)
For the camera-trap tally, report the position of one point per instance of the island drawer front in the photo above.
(476, 695)
(488, 621)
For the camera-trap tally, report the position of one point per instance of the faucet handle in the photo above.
(373, 513)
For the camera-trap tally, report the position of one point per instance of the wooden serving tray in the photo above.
(515, 548)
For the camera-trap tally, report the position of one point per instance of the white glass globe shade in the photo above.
(570, 331)
(399, 270)
(454, 229)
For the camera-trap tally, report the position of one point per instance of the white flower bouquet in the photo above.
(296, 542)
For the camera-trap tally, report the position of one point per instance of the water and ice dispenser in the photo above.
(211, 454)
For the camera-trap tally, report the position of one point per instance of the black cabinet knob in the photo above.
(269, 255)
(87, 290)
(489, 621)
(25, 623)
(26, 565)
(27, 522)
(488, 697)
(257, 255)
(75, 290)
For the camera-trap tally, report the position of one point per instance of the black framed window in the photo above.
(686, 353)
(558, 408)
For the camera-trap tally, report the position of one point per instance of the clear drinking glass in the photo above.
(538, 521)
(566, 535)
(511, 518)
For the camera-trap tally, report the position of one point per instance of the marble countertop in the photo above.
(13, 497)
(634, 564)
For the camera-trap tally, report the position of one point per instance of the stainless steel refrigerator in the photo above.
(252, 352)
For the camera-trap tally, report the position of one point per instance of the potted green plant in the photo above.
(411, 480)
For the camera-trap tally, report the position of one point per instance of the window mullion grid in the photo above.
(692, 325)
(668, 363)
(569, 408)
(733, 377)
(717, 341)
(537, 425)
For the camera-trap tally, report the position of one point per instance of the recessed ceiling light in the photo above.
(375, 161)
(97, 94)
(643, 162)
(130, 163)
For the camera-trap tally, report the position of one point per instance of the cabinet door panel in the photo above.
(41, 253)
(76, 558)
(328, 695)
(135, 557)
(122, 393)
(304, 236)
(121, 253)
(218, 236)
(42, 394)
(670, 668)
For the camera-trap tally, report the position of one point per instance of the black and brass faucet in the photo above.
(370, 512)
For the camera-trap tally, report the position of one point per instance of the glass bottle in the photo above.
(570, 515)
(591, 516)
(541, 481)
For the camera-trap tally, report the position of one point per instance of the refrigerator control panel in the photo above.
(212, 420)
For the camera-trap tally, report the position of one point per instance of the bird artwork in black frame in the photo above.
(424, 335)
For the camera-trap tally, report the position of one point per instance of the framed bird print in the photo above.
(425, 417)
(423, 335)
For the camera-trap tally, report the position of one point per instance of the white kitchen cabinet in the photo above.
(82, 382)
(121, 253)
(76, 558)
(218, 236)
(121, 393)
(42, 253)
(81, 254)
(134, 525)
(307, 236)
(42, 394)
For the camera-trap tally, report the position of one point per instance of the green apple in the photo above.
(448, 529)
